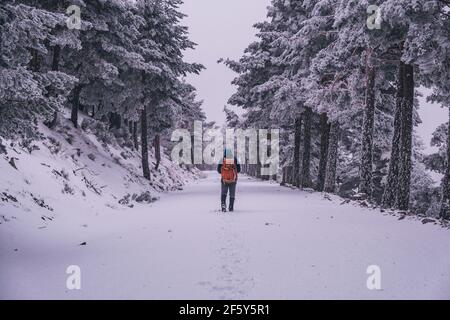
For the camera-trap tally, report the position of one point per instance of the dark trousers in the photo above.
(228, 187)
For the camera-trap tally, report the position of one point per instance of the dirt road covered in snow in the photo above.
(279, 244)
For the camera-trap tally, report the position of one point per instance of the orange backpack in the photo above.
(229, 172)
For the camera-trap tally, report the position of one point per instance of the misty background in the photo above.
(223, 29)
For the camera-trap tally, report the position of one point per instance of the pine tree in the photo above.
(321, 56)
(267, 83)
(29, 89)
(437, 161)
(315, 33)
(428, 38)
(162, 41)
(231, 118)
(418, 30)
(108, 65)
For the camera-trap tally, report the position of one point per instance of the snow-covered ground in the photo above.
(70, 171)
(279, 244)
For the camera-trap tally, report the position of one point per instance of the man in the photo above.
(228, 168)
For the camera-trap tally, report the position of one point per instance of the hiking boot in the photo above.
(224, 205)
(231, 207)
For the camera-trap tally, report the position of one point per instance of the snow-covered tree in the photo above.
(31, 86)
(162, 41)
(318, 64)
(123, 65)
(232, 119)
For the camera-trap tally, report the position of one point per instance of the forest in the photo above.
(118, 62)
(344, 92)
(102, 100)
(341, 79)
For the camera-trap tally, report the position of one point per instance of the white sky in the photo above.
(432, 116)
(223, 29)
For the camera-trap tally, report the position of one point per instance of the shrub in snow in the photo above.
(68, 189)
(144, 197)
(125, 200)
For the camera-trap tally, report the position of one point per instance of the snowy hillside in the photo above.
(71, 172)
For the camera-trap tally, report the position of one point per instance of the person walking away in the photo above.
(228, 168)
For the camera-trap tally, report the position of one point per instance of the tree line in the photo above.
(119, 62)
(341, 79)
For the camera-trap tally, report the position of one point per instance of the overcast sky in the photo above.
(223, 29)
(432, 116)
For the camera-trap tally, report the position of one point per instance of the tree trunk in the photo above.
(56, 58)
(192, 149)
(404, 176)
(297, 142)
(268, 151)
(157, 146)
(258, 162)
(366, 166)
(75, 106)
(390, 190)
(283, 176)
(135, 135)
(115, 120)
(333, 149)
(35, 64)
(306, 159)
(118, 123)
(445, 203)
(324, 141)
(144, 143)
(55, 67)
(130, 127)
(290, 174)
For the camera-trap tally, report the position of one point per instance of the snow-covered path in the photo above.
(279, 244)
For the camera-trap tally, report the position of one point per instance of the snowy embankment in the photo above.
(71, 171)
(66, 180)
(279, 244)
